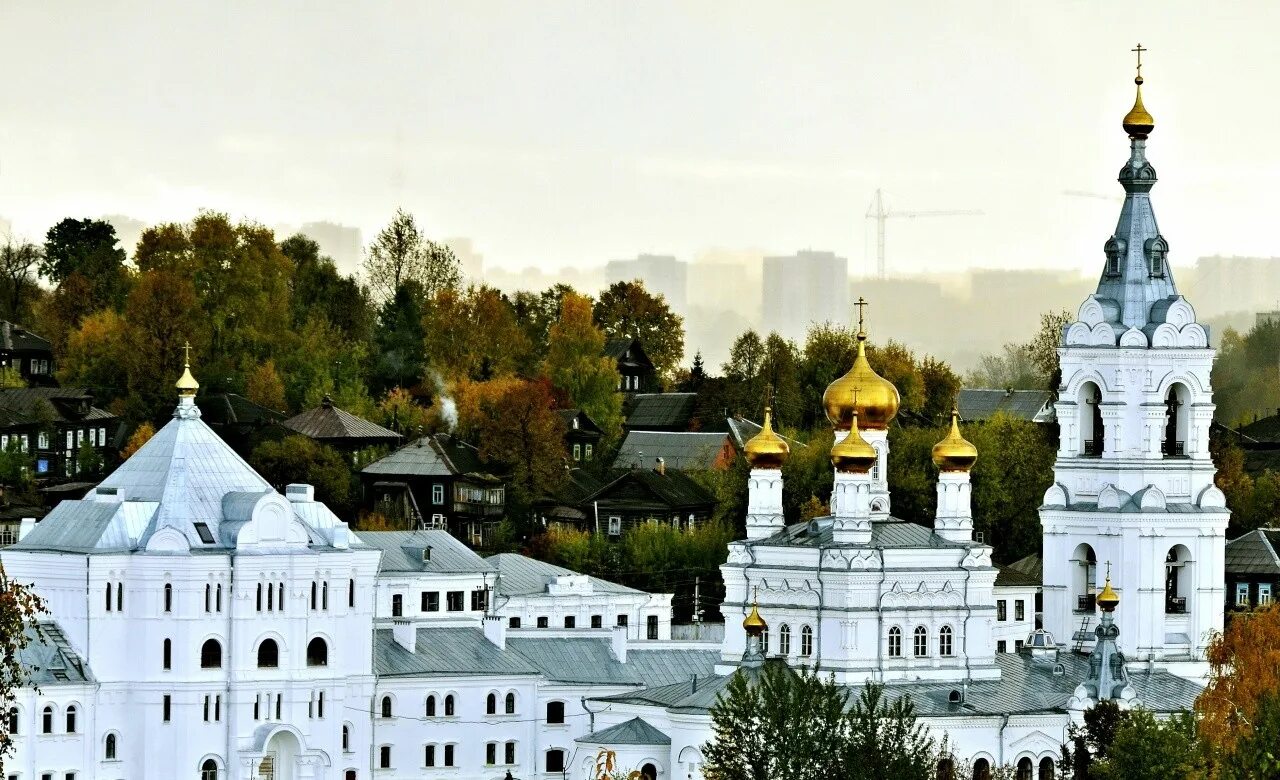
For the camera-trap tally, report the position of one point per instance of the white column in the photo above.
(953, 520)
(852, 519)
(764, 503)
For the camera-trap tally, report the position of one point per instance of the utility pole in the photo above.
(880, 214)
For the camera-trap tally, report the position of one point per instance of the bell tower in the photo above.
(1133, 481)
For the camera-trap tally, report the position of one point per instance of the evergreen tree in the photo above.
(399, 337)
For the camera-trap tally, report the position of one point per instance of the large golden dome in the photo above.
(954, 452)
(863, 392)
(767, 450)
(853, 455)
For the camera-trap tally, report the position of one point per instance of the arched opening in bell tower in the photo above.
(1178, 569)
(1177, 419)
(1084, 575)
(1092, 429)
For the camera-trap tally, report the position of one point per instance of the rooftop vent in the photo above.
(955, 697)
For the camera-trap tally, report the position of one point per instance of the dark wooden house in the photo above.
(52, 423)
(636, 370)
(581, 435)
(32, 355)
(1253, 569)
(339, 429)
(240, 422)
(629, 497)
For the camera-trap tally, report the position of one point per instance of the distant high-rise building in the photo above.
(802, 289)
(660, 273)
(1222, 285)
(470, 261)
(339, 242)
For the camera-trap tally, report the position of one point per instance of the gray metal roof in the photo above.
(1254, 553)
(446, 651)
(82, 526)
(977, 404)
(660, 410)
(519, 575)
(429, 456)
(1024, 571)
(328, 423)
(590, 661)
(1024, 687)
(884, 533)
(632, 732)
(679, 450)
(402, 552)
(49, 660)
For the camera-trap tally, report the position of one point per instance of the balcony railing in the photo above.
(1087, 603)
(1173, 449)
(1175, 605)
(1093, 448)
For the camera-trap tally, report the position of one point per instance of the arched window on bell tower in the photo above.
(1176, 419)
(1092, 429)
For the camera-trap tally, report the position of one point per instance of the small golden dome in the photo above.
(1138, 123)
(753, 623)
(1108, 599)
(954, 452)
(186, 384)
(853, 455)
(767, 450)
(862, 391)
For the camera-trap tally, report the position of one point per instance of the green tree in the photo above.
(401, 253)
(886, 740)
(778, 371)
(162, 315)
(87, 247)
(1043, 347)
(94, 354)
(399, 340)
(18, 263)
(535, 313)
(1256, 753)
(319, 289)
(297, 459)
(941, 388)
(399, 412)
(264, 387)
(575, 363)
(88, 462)
(20, 608)
(627, 310)
(1143, 748)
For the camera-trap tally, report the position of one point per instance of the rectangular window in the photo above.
(509, 754)
(1002, 646)
(102, 436)
(166, 708)
(397, 605)
(93, 437)
(1019, 610)
(577, 452)
(570, 621)
(589, 452)
(513, 622)
(652, 623)
(1017, 645)
(207, 702)
(1242, 594)
(384, 757)
(622, 620)
(448, 755)
(71, 440)
(491, 753)
(429, 756)
(1264, 594)
(437, 494)
(430, 601)
(1002, 611)
(42, 440)
(615, 526)
(543, 622)
(454, 601)
(479, 600)
(597, 621)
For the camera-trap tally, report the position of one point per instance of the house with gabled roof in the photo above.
(340, 429)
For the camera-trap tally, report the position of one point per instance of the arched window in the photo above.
(315, 594)
(806, 641)
(1024, 769)
(511, 704)
(259, 596)
(895, 642)
(1092, 429)
(350, 775)
(209, 770)
(317, 652)
(982, 769)
(208, 598)
(324, 595)
(1113, 249)
(386, 706)
(71, 719)
(921, 641)
(168, 597)
(1157, 248)
(1047, 769)
(946, 769)
(448, 706)
(109, 747)
(1083, 578)
(346, 738)
(944, 642)
(555, 712)
(1178, 569)
(211, 654)
(384, 757)
(46, 720)
(649, 772)
(109, 601)
(351, 593)
(554, 761)
(491, 704)
(268, 654)
(431, 706)
(1176, 421)
(764, 641)
(168, 654)
(12, 725)
(784, 639)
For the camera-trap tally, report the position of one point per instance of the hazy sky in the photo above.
(571, 133)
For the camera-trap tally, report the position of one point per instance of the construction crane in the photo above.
(880, 214)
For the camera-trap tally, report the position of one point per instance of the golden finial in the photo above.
(1138, 123)
(186, 384)
(954, 452)
(878, 399)
(767, 450)
(1108, 599)
(753, 623)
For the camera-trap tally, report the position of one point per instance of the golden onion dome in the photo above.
(1138, 123)
(767, 450)
(853, 455)
(753, 623)
(1108, 599)
(187, 384)
(954, 452)
(862, 391)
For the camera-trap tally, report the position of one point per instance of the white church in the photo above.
(203, 625)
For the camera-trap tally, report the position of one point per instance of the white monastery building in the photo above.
(203, 625)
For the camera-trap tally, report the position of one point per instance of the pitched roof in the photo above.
(440, 455)
(519, 575)
(977, 404)
(884, 533)
(65, 402)
(585, 423)
(445, 651)
(660, 410)
(616, 348)
(402, 552)
(1257, 552)
(1265, 430)
(49, 658)
(328, 423)
(17, 338)
(590, 661)
(679, 450)
(1031, 566)
(674, 489)
(234, 409)
(632, 732)
(1007, 577)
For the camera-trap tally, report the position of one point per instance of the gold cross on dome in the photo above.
(861, 304)
(755, 594)
(186, 354)
(1139, 50)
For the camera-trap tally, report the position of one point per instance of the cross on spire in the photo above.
(186, 354)
(1139, 50)
(861, 304)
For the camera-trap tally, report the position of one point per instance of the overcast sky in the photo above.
(571, 133)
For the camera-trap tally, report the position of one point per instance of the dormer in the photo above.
(1155, 250)
(1114, 250)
